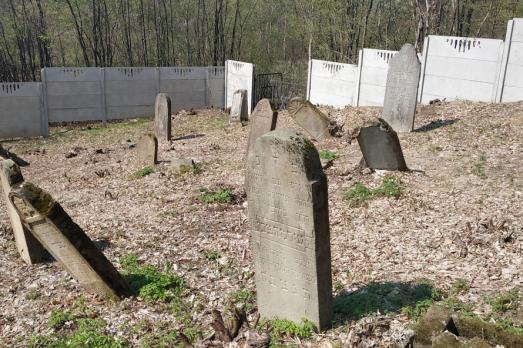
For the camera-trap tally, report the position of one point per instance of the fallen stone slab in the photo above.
(310, 118)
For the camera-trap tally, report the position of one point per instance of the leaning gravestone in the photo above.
(67, 242)
(263, 120)
(401, 93)
(381, 147)
(147, 149)
(28, 246)
(240, 106)
(289, 218)
(162, 117)
(310, 118)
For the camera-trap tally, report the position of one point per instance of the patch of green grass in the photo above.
(99, 129)
(152, 284)
(165, 341)
(211, 255)
(409, 298)
(89, 333)
(328, 155)
(220, 196)
(281, 328)
(478, 168)
(459, 286)
(507, 301)
(59, 318)
(243, 298)
(143, 172)
(361, 194)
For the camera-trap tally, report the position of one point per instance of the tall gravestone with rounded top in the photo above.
(263, 120)
(401, 93)
(162, 117)
(289, 218)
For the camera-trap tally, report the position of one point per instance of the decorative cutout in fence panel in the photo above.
(460, 68)
(74, 94)
(238, 75)
(21, 111)
(371, 77)
(512, 72)
(331, 83)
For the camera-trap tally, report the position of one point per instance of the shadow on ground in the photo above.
(188, 137)
(381, 297)
(435, 125)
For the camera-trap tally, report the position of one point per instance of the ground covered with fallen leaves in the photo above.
(449, 231)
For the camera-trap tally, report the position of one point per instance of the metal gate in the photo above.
(271, 86)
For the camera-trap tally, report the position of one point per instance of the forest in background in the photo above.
(276, 35)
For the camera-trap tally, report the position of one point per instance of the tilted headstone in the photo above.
(312, 120)
(240, 106)
(263, 120)
(28, 246)
(147, 149)
(381, 147)
(67, 242)
(401, 93)
(162, 117)
(289, 218)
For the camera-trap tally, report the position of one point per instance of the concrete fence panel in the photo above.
(331, 83)
(187, 86)
(130, 92)
(371, 78)
(22, 110)
(238, 75)
(457, 68)
(216, 86)
(74, 94)
(511, 80)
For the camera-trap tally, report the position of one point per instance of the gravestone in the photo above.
(312, 120)
(29, 248)
(162, 117)
(401, 93)
(240, 106)
(67, 242)
(263, 120)
(381, 146)
(147, 149)
(289, 218)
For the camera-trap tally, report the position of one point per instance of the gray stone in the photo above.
(263, 120)
(312, 120)
(162, 117)
(381, 147)
(289, 218)
(240, 106)
(67, 242)
(29, 248)
(181, 165)
(401, 93)
(147, 149)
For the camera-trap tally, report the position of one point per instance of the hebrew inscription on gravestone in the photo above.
(29, 248)
(67, 242)
(162, 117)
(289, 218)
(263, 120)
(401, 93)
(312, 120)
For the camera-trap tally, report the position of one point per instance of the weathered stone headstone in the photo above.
(162, 117)
(381, 147)
(312, 120)
(401, 93)
(289, 218)
(29, 248)
(240, 106)
(263, 120)
(67, 242)
(147, 149)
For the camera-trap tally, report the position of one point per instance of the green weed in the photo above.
(281, 328)
(220, 196)
(143, 172)
(211, 255)
(478, 168)
(243, 298)
(361, 194)
(59, 318)
(508, 301)
(328, 155)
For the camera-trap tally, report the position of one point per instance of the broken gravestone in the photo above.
(147, 149)
(162, 117)
(289, 218)
(381, 147)
(66, 241)
(312, 120)
(29, 248)
(401, 93)
(263, 120)
(240, 106)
